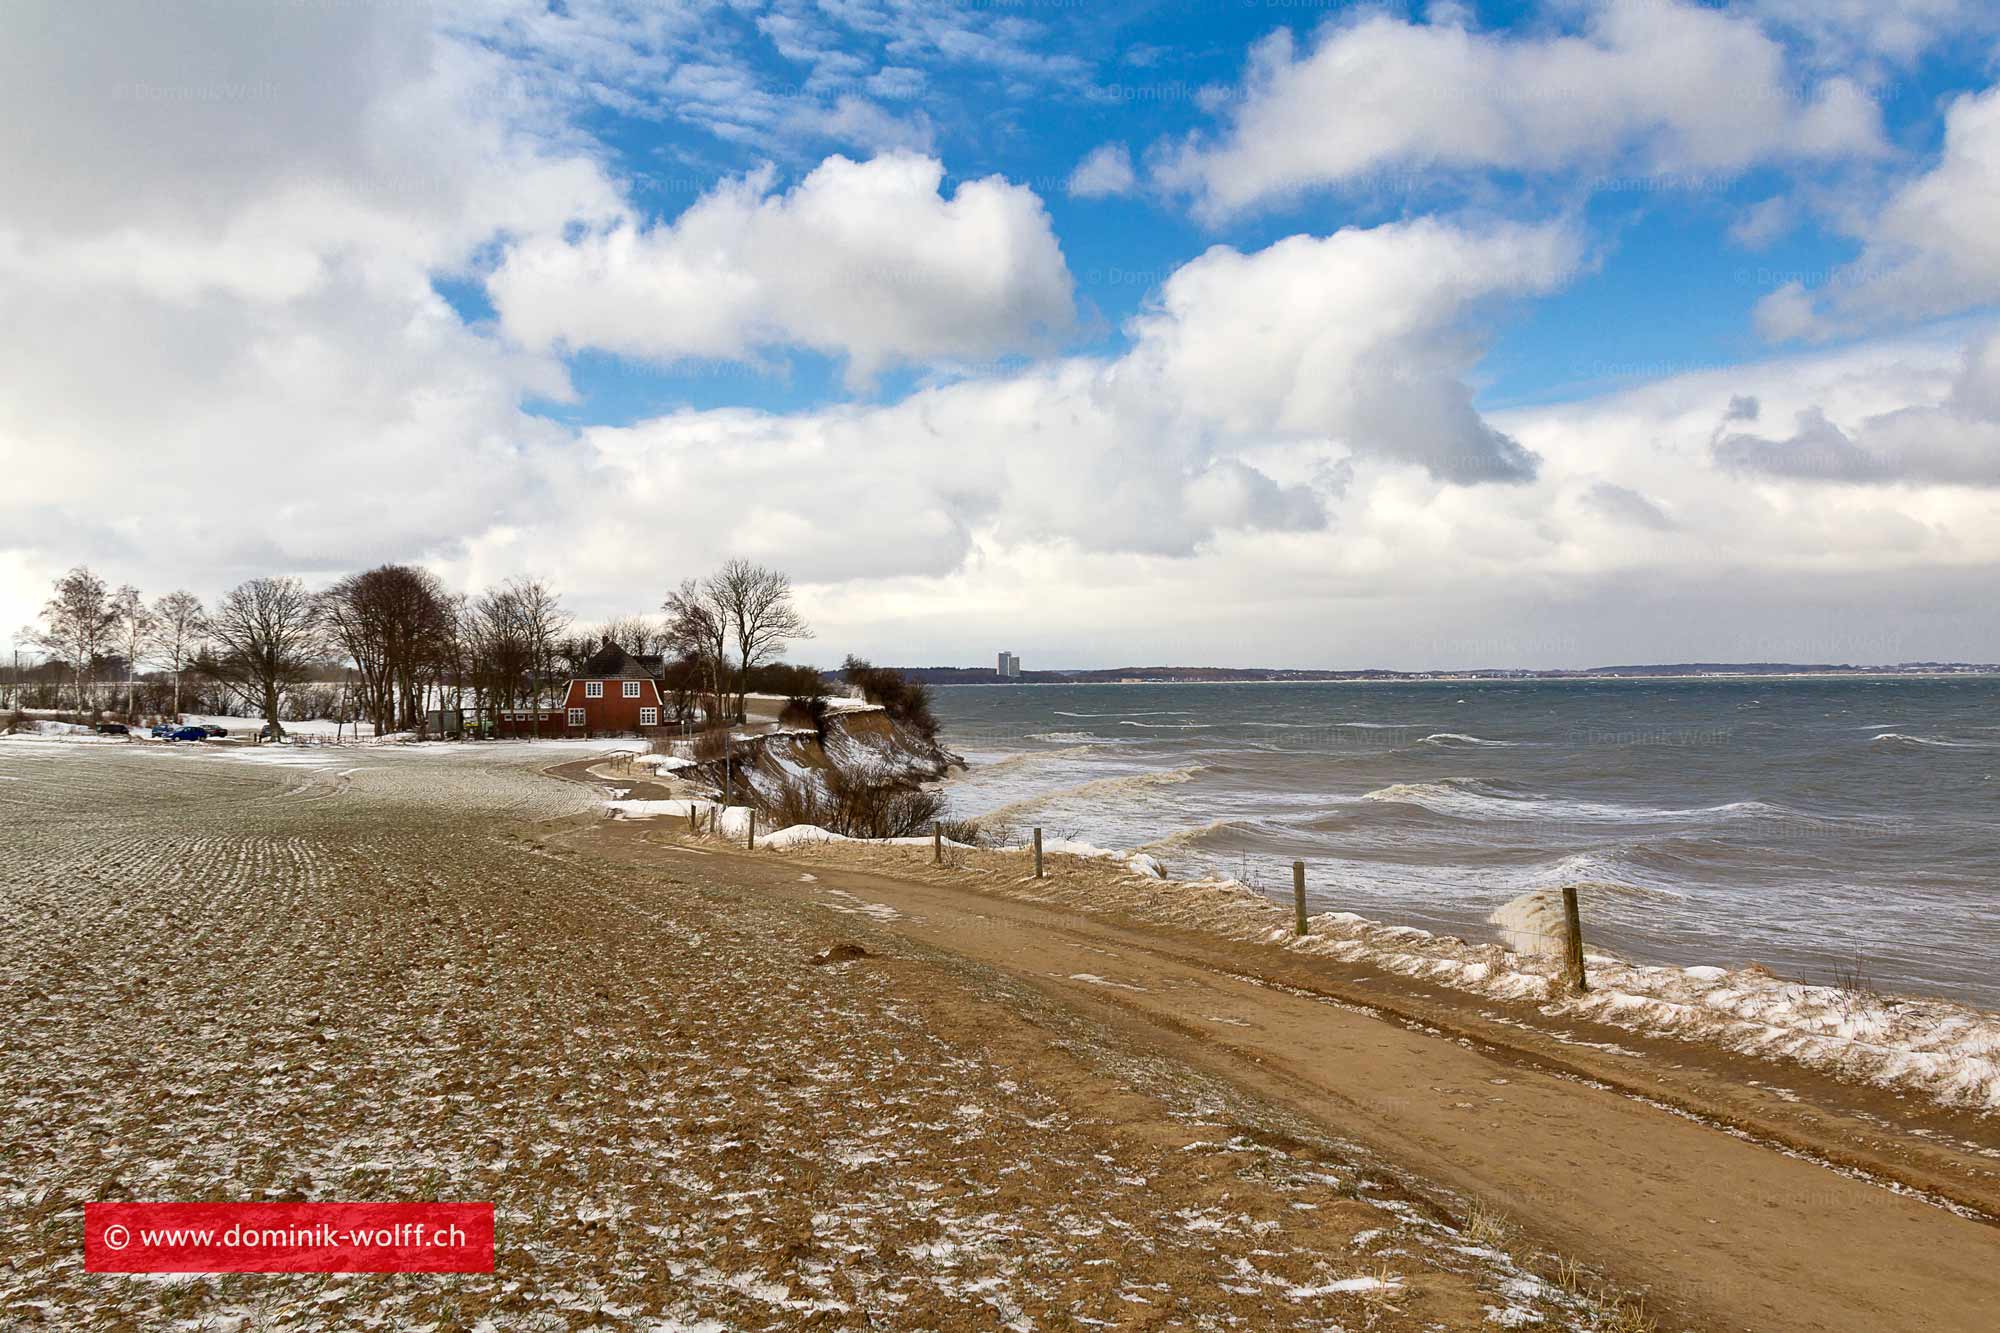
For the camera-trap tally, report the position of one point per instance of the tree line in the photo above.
(405, 646)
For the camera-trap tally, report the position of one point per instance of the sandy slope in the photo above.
(1740, 1201)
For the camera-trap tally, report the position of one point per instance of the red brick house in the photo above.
(614, 692)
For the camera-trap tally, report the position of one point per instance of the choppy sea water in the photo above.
(1819, 827)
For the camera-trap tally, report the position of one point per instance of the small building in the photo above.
(613, 693)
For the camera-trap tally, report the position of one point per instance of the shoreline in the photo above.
(1662, 1156)
(1943, 1050)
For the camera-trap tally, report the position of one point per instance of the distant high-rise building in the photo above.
(1007, 665)
(1005, 658)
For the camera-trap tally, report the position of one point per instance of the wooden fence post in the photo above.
(752, 844)
(694, 827)
(937, 843)
(1573, 942)
(1038, 853)
(1299, 893)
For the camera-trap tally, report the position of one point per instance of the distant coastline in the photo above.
(1165, 675)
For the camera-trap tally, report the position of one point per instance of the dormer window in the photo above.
(593, 689)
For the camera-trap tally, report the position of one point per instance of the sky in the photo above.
(1232, 332)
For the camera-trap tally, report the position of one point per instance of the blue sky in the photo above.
(1549, 333)
(1666, 289)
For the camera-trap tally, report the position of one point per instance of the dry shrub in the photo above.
(854, 806)
(904, 700)
(805, 711)
(711, 743)
(961, 830)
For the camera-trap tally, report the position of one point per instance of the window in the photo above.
(649, 717)
(576, 717)
(593, 689)
(631, 689)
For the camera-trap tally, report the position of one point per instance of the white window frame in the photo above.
(649, 717)
(631, 689)
(577, 717)
(593, 689)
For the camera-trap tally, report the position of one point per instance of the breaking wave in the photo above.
(1460, 738)
(1143, 712)
(1897, 740)
(1471, 798)
(1098, 788)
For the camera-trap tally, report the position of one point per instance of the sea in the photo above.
(1841, 830)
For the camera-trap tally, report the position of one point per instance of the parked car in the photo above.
(214, 732)
(164, 731)
(187, 734)
(113, 729)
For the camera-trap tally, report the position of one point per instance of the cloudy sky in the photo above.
(1116, 331)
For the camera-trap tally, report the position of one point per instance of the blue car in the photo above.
(184, 734)
(164, 731)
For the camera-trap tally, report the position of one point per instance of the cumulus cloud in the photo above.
(1357, 337)
(1105, 171)
(1933, 249)
(225, 352)
(1646, 86)
(1844, 34)
(1257, 386)
(1953, 441)
(868, 260)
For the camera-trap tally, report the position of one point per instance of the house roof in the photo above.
(613, 663)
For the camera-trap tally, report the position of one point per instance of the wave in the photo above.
(1170, 726)
(1896, 739)
(1471, 798)
(1027, 757)
(1069, 738)
(1460, 738)
(1188, 837)
(1142, 712)
(1099, 787)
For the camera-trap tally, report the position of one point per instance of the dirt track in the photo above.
(1806, 1211)
(386, 975)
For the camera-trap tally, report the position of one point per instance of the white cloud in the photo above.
(1951, 439)
(1358, 337)
(862, 259)
(1647, 86)
(1843, 34)
(1256, 386)
(1105, 171)
(1933, 249)
(225, 353)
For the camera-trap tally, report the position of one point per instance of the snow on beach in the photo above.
(1943, 1050)
(1946, 1051)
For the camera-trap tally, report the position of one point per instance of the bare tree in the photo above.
(638, 635)
(757, 602)
(393, 622)
(269, 633)
(698, 628)
(183, 624)
(542, 622)
(499, 649)
(77, 624)
(135, 628)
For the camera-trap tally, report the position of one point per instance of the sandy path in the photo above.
(1724, 1231)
